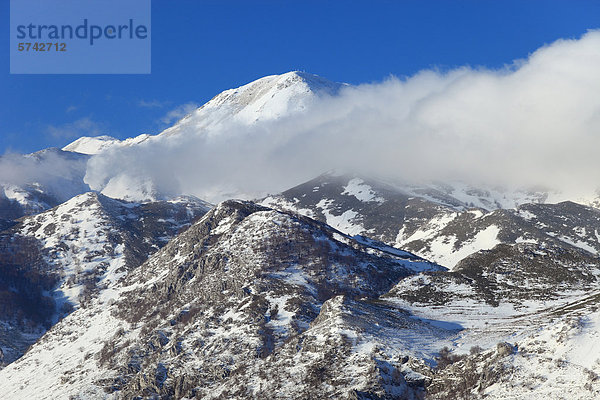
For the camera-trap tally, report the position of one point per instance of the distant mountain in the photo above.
(263, 100)
(267, 99)
(440, 222)
(98, 144)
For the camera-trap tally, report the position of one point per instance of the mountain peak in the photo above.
(267, 98)
(315, 83)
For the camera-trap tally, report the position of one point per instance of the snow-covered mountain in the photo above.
(240, 292)
(234, 110)
(443, 223)
(265, 99)
(61, 259)
(344, 287)
(255, 303)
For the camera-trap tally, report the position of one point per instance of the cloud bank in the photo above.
(58, 174)
(533, 122)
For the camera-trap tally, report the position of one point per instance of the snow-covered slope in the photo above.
(233, 295)
(61, 259)
(252, 303)
(95, 237)
(555, 358)
(98, 144)
(265, 99)
(451, 237)
(441, 223)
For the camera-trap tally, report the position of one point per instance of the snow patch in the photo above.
(358, 188)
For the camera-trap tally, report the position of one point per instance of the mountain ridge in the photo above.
(276, 294)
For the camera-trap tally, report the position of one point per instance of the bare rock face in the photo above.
(505, 349)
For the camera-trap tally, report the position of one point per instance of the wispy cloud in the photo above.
(179, 112)
(58, 175)
(151, 104)
(71, 108)
(81, 127)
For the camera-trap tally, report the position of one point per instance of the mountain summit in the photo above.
(264, 99)
(230, 113)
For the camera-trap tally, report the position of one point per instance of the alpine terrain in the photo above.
(343, 287)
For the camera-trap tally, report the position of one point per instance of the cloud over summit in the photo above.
(534, 122)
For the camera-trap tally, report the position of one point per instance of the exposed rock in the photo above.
(505, 349)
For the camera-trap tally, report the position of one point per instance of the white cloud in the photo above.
(59, 174)
(81, 127)
(535, 122)
(179, 112)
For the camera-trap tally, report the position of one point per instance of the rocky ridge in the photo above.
(231, 295)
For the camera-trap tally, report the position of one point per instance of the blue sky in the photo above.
(200, 48)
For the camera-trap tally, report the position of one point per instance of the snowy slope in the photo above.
(265, 99)
(255, 303)
(442, 223)
(98, 144)
(451, 237)
(238, 287)
(86, 237)
(557, 360)
(81, 248)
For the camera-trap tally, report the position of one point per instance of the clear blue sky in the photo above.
(200, 48)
